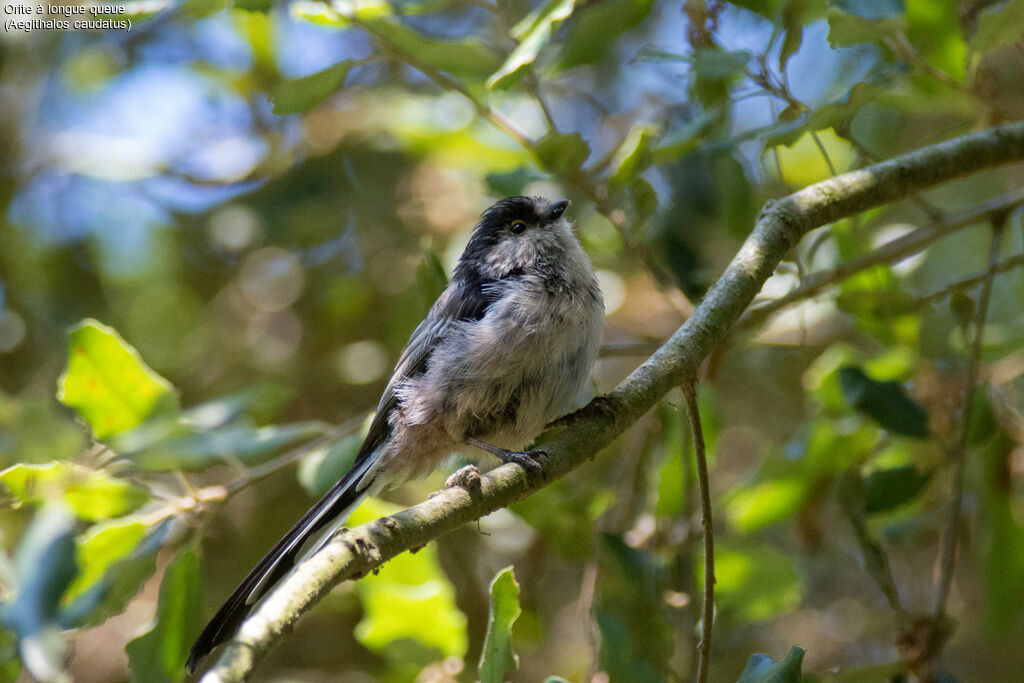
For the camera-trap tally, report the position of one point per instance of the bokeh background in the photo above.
(263, 200)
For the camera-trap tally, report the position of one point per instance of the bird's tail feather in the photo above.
(328, 514)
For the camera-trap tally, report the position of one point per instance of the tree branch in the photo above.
(779, 226)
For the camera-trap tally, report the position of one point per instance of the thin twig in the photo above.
(947, 558)
(889, 253)
(967, 283)
(708, 601)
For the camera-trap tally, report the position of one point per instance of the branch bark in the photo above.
(781, 223)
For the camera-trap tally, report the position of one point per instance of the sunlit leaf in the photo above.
(634, 155)
(755, 582)
(765, 503)
(595, 29)
(44, 566)
(297, 95)
(468, 57)
(10, 664)
(100, 547)
(764, 669)
(90, 494)
(498, 658)
(159, 654)
(885, 402)
(534, 33)
(108, 383)
(122, 578)
(409, 598)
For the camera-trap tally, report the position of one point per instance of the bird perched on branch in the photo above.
(501, 353)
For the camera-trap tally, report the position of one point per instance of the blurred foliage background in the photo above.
(220, 227)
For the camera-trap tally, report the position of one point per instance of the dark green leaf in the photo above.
(597, 27)
(962, 307)
(885, 402)
(562, 153)
(711, 64)
(888, 489)
(764, 669)
(254, 5)
(498, 658)
(793, 22)
(297, 95)
(845, 30)
(44, 566)
(159, 655)
(645, 199)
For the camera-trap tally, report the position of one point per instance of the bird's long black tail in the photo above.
(331, 510)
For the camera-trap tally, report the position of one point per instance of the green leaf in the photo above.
(497, 658)
(635, 155)
(90, 494)
(10, 663)
(890, 488)
(845, 29)
(999, 24)
(597, 27)
(33, 431)
(962, 306)
(763, 669)
(297, 95)
(534, 32)
(512, 182)
(102, 546)
(793, 13)
(108, 383)
(122, 579)
(467, 58)
(562, 153)
(159, 654)
(409, 598)
(712, 64)
(645, 199)
(325, 465)
(254, 5)
(754, 582)
(885, 402)
(754, 507)
(44, 566)
(185, 449)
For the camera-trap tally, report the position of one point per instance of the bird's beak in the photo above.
(558, 208)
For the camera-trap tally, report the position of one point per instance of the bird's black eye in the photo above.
(517, 227)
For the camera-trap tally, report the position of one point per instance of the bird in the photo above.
(502, 352)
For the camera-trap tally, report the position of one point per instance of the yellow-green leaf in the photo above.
(100, 547)
(498, 658)
(297, 95)
(409, 598)
(90, 494)
(533, 32)
(108, 383)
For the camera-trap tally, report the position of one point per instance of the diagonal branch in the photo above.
(780, 225)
